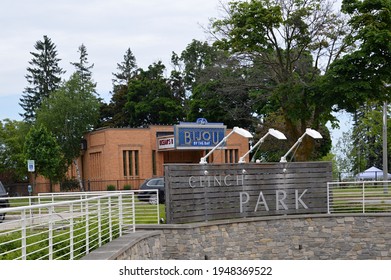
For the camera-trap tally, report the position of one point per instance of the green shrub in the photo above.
(111, 188)
(127, 187)
(69, 185)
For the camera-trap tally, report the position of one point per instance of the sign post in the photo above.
(31, 168)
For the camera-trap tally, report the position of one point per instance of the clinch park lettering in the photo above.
(196, 193)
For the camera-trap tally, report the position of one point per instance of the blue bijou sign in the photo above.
(199, 135)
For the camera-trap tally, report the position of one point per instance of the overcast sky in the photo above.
(152, 29)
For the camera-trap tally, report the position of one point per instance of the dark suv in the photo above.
(3, 201)
(152, 184)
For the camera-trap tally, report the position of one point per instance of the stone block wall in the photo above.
(291, 238)
(315, 237)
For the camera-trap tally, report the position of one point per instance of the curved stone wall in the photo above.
(314, 237)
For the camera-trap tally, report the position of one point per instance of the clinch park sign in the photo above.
(196, 193)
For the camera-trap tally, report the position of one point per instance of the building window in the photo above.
(231, 155)
(130, 161)
(96, 166)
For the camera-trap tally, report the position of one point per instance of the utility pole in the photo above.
(385, 156)
(385, 151)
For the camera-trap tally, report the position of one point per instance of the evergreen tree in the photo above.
(127, 69)
(150, 99)
(82, 66)
(44, 77)
(113, 114)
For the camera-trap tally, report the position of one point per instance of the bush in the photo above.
(69, 185)
(111, 188)
(127, 187)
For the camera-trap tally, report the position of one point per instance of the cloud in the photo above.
(152, 29)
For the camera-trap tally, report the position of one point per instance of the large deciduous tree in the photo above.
(288, 43)
(12, 160)
(217, 85)
(364, 74)
(69, 113)
(150, 99)
(360, 81)
(42, 147)
(43, 77)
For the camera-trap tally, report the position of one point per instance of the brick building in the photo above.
(127, 156)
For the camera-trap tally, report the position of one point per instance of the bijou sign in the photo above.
(196, 193)
(198, 135)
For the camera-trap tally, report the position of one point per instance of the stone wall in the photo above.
(315, 237)
(134, 246)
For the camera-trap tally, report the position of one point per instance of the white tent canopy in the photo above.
(372, 173)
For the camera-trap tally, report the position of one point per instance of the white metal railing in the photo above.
(69, 225)
(359, 197)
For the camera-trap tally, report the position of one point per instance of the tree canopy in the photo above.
(43, 77)
(42, 147)
(285, 43)
(150, 99)
(12, 160)
(362, 74)
(286, 64)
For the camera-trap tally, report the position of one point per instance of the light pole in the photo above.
(237, 130)
(273, 132)
(385, 150)
(311, 132)
(385, 159)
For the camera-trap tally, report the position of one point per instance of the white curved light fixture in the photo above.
(273, 132)
(237, 130)
(311, 132)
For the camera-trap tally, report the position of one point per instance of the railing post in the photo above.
(99, 223)
(363, 196)
(120, 213)
(133, 213)
(87, 227)
(50, 229)
(158, 207)
(71, 241)
(24, 237)
(110, 220)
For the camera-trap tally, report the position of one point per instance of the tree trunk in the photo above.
(305, 149)
(78, 175)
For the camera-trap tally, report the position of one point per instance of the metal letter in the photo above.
(190, 182)
(238, 179)
(298, 199)
(278, 200)
(225, 180)
(243, 201)
(263, 202)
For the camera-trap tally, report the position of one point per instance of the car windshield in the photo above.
(160, 182)
(156, 182)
